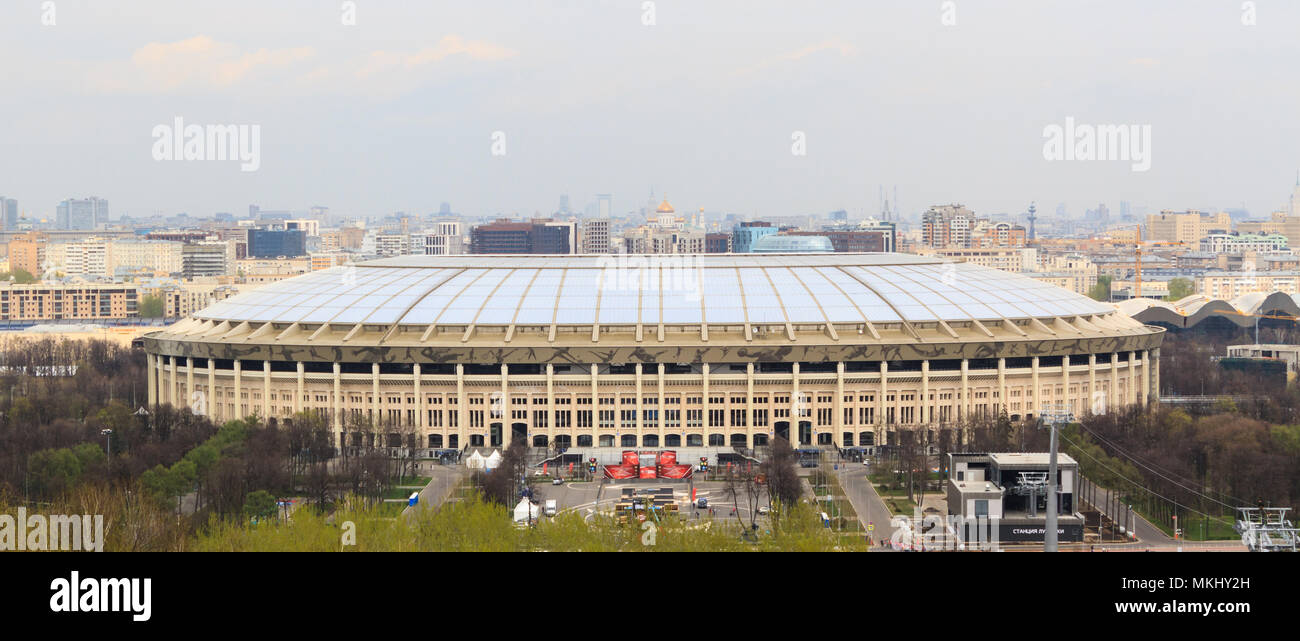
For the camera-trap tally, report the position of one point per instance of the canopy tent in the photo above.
(493, 460)
(525, 511)
(476, 461)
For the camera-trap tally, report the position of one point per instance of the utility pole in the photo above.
(1054, 419)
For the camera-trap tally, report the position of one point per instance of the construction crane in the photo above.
(1137, 253)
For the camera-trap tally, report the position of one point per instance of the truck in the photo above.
(550, 507)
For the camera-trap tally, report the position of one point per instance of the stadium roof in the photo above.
(662, 289)
(1193, 310)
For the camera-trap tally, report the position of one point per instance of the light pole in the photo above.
(1053, 419)
(108, 440)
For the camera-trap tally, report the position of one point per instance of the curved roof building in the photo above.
(1194, 310)
(732, 349)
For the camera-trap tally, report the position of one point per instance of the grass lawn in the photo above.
(420, 481)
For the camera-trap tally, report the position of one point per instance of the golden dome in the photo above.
(665, 208)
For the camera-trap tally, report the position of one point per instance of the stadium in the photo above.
(725, 350)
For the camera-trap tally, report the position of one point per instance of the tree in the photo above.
(1101, 291)
(18, 276)
(783, 483)
(1180, 288)
(151, 307)
(259, 505)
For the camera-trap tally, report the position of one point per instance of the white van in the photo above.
(550, 507)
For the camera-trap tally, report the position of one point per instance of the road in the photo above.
(871, 509)
(1146, 532)
(443, 479)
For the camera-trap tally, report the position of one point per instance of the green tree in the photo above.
(1180, 288)
(1101, 291)
(259, 504)
(151, 307)
(19, 276)
(53, 471)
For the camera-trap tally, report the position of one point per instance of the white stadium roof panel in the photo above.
(674, 289)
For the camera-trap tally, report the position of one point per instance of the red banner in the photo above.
(630, 458)
(619, 471)
(668, 457)
(648, 472)
(676, 471)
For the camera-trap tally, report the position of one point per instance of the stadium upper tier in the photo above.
(652, 290)
(653, 309)
(1193, 310)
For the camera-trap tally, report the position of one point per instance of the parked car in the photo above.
(762, 509)
(557, 481)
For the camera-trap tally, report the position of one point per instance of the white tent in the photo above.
(493, 460)
(475, 461)
(525, 511)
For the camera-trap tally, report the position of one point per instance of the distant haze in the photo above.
(398, 111)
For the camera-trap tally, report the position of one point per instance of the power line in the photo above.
(1135, 459)
(1135, 483)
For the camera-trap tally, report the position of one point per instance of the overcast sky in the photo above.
(398, 111)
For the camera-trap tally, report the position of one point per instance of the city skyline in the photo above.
(709, 103)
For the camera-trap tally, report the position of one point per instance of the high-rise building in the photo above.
(540, 236)
(8, 214)
(746, 233)
(594, 236)
(443, 239)
(604, 205)
(1185, 227)
(947, 226)
(83, 213)
(271, 243)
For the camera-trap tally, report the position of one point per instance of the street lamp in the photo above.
(1053, 418)
(108, 440)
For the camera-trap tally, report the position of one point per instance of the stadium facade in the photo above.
(652, 351)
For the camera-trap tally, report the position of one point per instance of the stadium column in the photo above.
(507, 428)
(1002, 386)
(419, 403)
(461, 416)
(374, 401)
(1146, 377)
(152, 369)
(640, 427)
(337, 414)
(1113, 388)
(298, 398)
(550, 405)
(266, 389)
(1092, 382)
(663, 410)
(171, 382)
(1065, 383)
(1132, 379)
(1037, 393)
(704, 413)
(189, 380)
(749, 405)
(239, 393)
(212, 389)
(595, 406)
(796, 403)
(1155, 375)
(924, 412)
(880, 402)
(837, 421)
(963, 411)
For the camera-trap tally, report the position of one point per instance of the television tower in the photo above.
(1032, 218)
